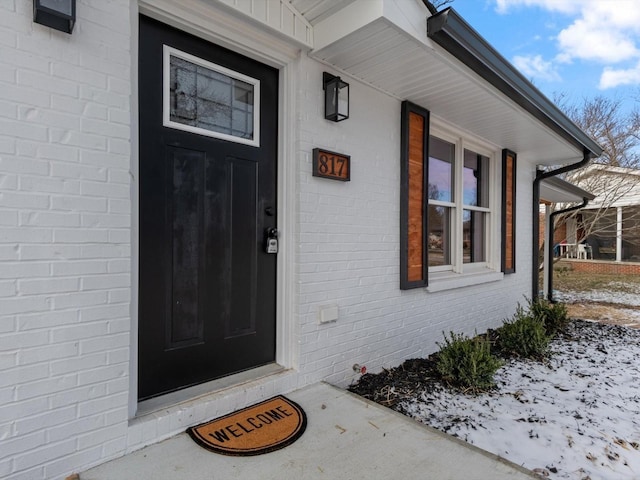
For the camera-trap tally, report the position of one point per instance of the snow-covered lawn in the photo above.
(575, 416)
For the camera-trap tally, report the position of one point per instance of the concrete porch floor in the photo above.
(347, 437)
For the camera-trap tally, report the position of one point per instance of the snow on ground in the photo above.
(621, 298)
(576, 416)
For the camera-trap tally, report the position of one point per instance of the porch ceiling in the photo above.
(392, 52)
(556, 190)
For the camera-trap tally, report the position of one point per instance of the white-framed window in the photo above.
(451, 205)
(208, 99)
(461, 193)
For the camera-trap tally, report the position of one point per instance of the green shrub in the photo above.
(467, 362)
(554, 316)
(525, 336)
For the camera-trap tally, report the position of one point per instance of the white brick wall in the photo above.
(65, 239)
(349, 248)
(65, 255)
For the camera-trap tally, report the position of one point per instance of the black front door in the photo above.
(208, 136)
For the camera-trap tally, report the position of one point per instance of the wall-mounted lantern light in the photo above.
(336, 98)
(58, 14)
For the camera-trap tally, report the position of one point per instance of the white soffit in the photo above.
(384, 44)
(556, 190)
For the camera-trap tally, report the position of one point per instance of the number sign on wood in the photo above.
(335, 166)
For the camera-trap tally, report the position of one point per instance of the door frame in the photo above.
(219, 27)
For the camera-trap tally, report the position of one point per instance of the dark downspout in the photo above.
(549, 240)
(540, 175)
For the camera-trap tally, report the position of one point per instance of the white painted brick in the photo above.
(103, 435)
(50, 252)
(24, 200)
(82, 267)
(80, 235)
(71, 396)
(8, 217)
(18, 130)
(48, 285)
(75, 427)
(105, 312)
(80, 204)
(7, 144)
(102, 189)
(78, 139)
(44, 454)
(7, 289)
(79, 74)
(46, 387)
(12, 446)
(109, 220)
(66, 170)
(50, 219)
(106, 403)
(7, 324)
(75, 300)
(104, 343)
(47, 353)
(78, 332)
(120, 236)
(120, 176)
(101, 282)
(26, 425)
(48, 184)
(36, 80)
(104, 159)
(13, 305)
(70, 365)
(17, 376)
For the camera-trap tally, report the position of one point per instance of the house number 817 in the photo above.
(331, 165)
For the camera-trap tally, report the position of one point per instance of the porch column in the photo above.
(548, 251)
(619, 234)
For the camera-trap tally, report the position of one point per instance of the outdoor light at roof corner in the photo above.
(57, 14)
(336, 98)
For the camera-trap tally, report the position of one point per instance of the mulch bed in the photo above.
(392, 386)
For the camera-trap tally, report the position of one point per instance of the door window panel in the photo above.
(208, 99)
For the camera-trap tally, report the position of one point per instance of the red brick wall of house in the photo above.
(598, 266)
(559, 235)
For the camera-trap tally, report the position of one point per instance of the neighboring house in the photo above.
(154, 161)
(610, 224)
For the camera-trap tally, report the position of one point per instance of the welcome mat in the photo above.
(261, 428)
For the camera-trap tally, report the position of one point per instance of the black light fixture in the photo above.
(58, 14)
(336, 98)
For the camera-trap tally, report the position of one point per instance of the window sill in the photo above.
(439, 282)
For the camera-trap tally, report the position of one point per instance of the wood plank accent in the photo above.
(416, 197)
(508, 211)
(413, 202)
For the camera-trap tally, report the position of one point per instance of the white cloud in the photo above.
(605, 45)
(606, 32)
(536, 67)
(613, 78)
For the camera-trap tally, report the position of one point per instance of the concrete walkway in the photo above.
(347, 437)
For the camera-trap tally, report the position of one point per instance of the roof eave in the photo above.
(454, 34)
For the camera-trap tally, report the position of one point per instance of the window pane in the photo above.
(203, 98)
(439, 235)
(474, 236)
(475, 179)
(441, 159)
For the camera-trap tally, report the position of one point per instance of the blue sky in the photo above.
(581, 48)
